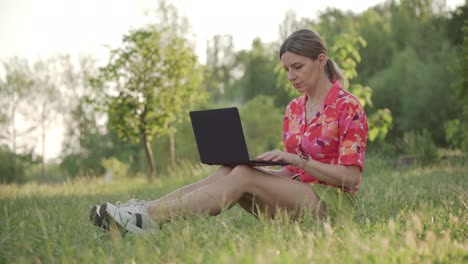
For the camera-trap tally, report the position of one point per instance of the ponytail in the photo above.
(334, 73)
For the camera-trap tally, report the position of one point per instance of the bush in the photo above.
(262, 124)
(422, 146)
(115, 169)
(456, 133)
(6, 165)
(8, 171)
(52, 173)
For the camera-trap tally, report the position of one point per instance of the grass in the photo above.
(407, 215)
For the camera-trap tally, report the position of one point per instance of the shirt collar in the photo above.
(331, 97)
(333, 93)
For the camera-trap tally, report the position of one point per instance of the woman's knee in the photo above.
(240, 171)
(244, 176)
(220, 173)
(224, 170)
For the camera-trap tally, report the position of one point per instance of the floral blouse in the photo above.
(336, 135)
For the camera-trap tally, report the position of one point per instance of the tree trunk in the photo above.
(13, 133)
(80, 152)
(149, 156)
(172, 148)
(43, 143)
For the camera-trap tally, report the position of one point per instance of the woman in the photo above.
(325, 132)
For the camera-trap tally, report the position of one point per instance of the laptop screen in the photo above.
(219, 136)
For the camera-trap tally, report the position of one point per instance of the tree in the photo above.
(220, 63)
(413, 87)
(410, 63)
(15, 172)
(375, 28)
(457, 129)
(150, 81)
(290, 24)
(15, 92)
(260, 120)
(257, 66)
(345, 50)
(456, 23)
(79, 110)
(47, 101)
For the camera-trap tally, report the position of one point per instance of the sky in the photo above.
(35, 29)
(41, 28)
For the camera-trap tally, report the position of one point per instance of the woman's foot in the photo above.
(130, 217)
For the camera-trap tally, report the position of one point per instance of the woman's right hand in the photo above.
(276, 155)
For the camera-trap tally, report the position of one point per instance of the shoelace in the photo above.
(134, 206)
(131, 202)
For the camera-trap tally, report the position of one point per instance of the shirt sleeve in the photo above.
(353, 129)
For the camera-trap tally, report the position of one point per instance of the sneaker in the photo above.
(134, 206)
(133, 219)
(96, 215)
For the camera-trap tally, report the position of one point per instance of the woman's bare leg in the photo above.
(218, 174)
(273, 193)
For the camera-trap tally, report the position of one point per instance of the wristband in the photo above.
(305, 159)
(305, 163)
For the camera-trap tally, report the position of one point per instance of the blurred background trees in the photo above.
(406, 60)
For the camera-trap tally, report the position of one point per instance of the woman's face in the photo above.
(304, 73)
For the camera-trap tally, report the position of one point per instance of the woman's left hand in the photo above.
(276, 155)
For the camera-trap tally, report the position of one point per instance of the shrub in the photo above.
(115, 169)
(422, 146)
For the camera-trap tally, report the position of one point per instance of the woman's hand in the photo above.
(276, 155)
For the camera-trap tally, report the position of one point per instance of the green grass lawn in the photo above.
(408, 214)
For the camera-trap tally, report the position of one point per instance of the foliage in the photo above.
(345, 51)
(15, 96)
(406, 61)
(456, 26)
(48, 173)
(185, 147)
(262, 124)
(416, 91)
(115, 169)
(381, 122)
(374, 26)
(456, 130)
(257, 66)
(6, 166)
(47, 98)
(154, 77)
(420, 143)
(80, 114)
(98, 146)
(13, 166)
(220, 64)
(72, 164)
(290, 24)
(456, 134)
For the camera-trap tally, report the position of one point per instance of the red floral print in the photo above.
(336, 135)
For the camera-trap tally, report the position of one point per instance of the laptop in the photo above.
(220, 138)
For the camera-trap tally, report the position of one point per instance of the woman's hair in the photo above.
(308, 43)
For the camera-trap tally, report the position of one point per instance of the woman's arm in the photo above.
(340, 175)
(346, 176)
